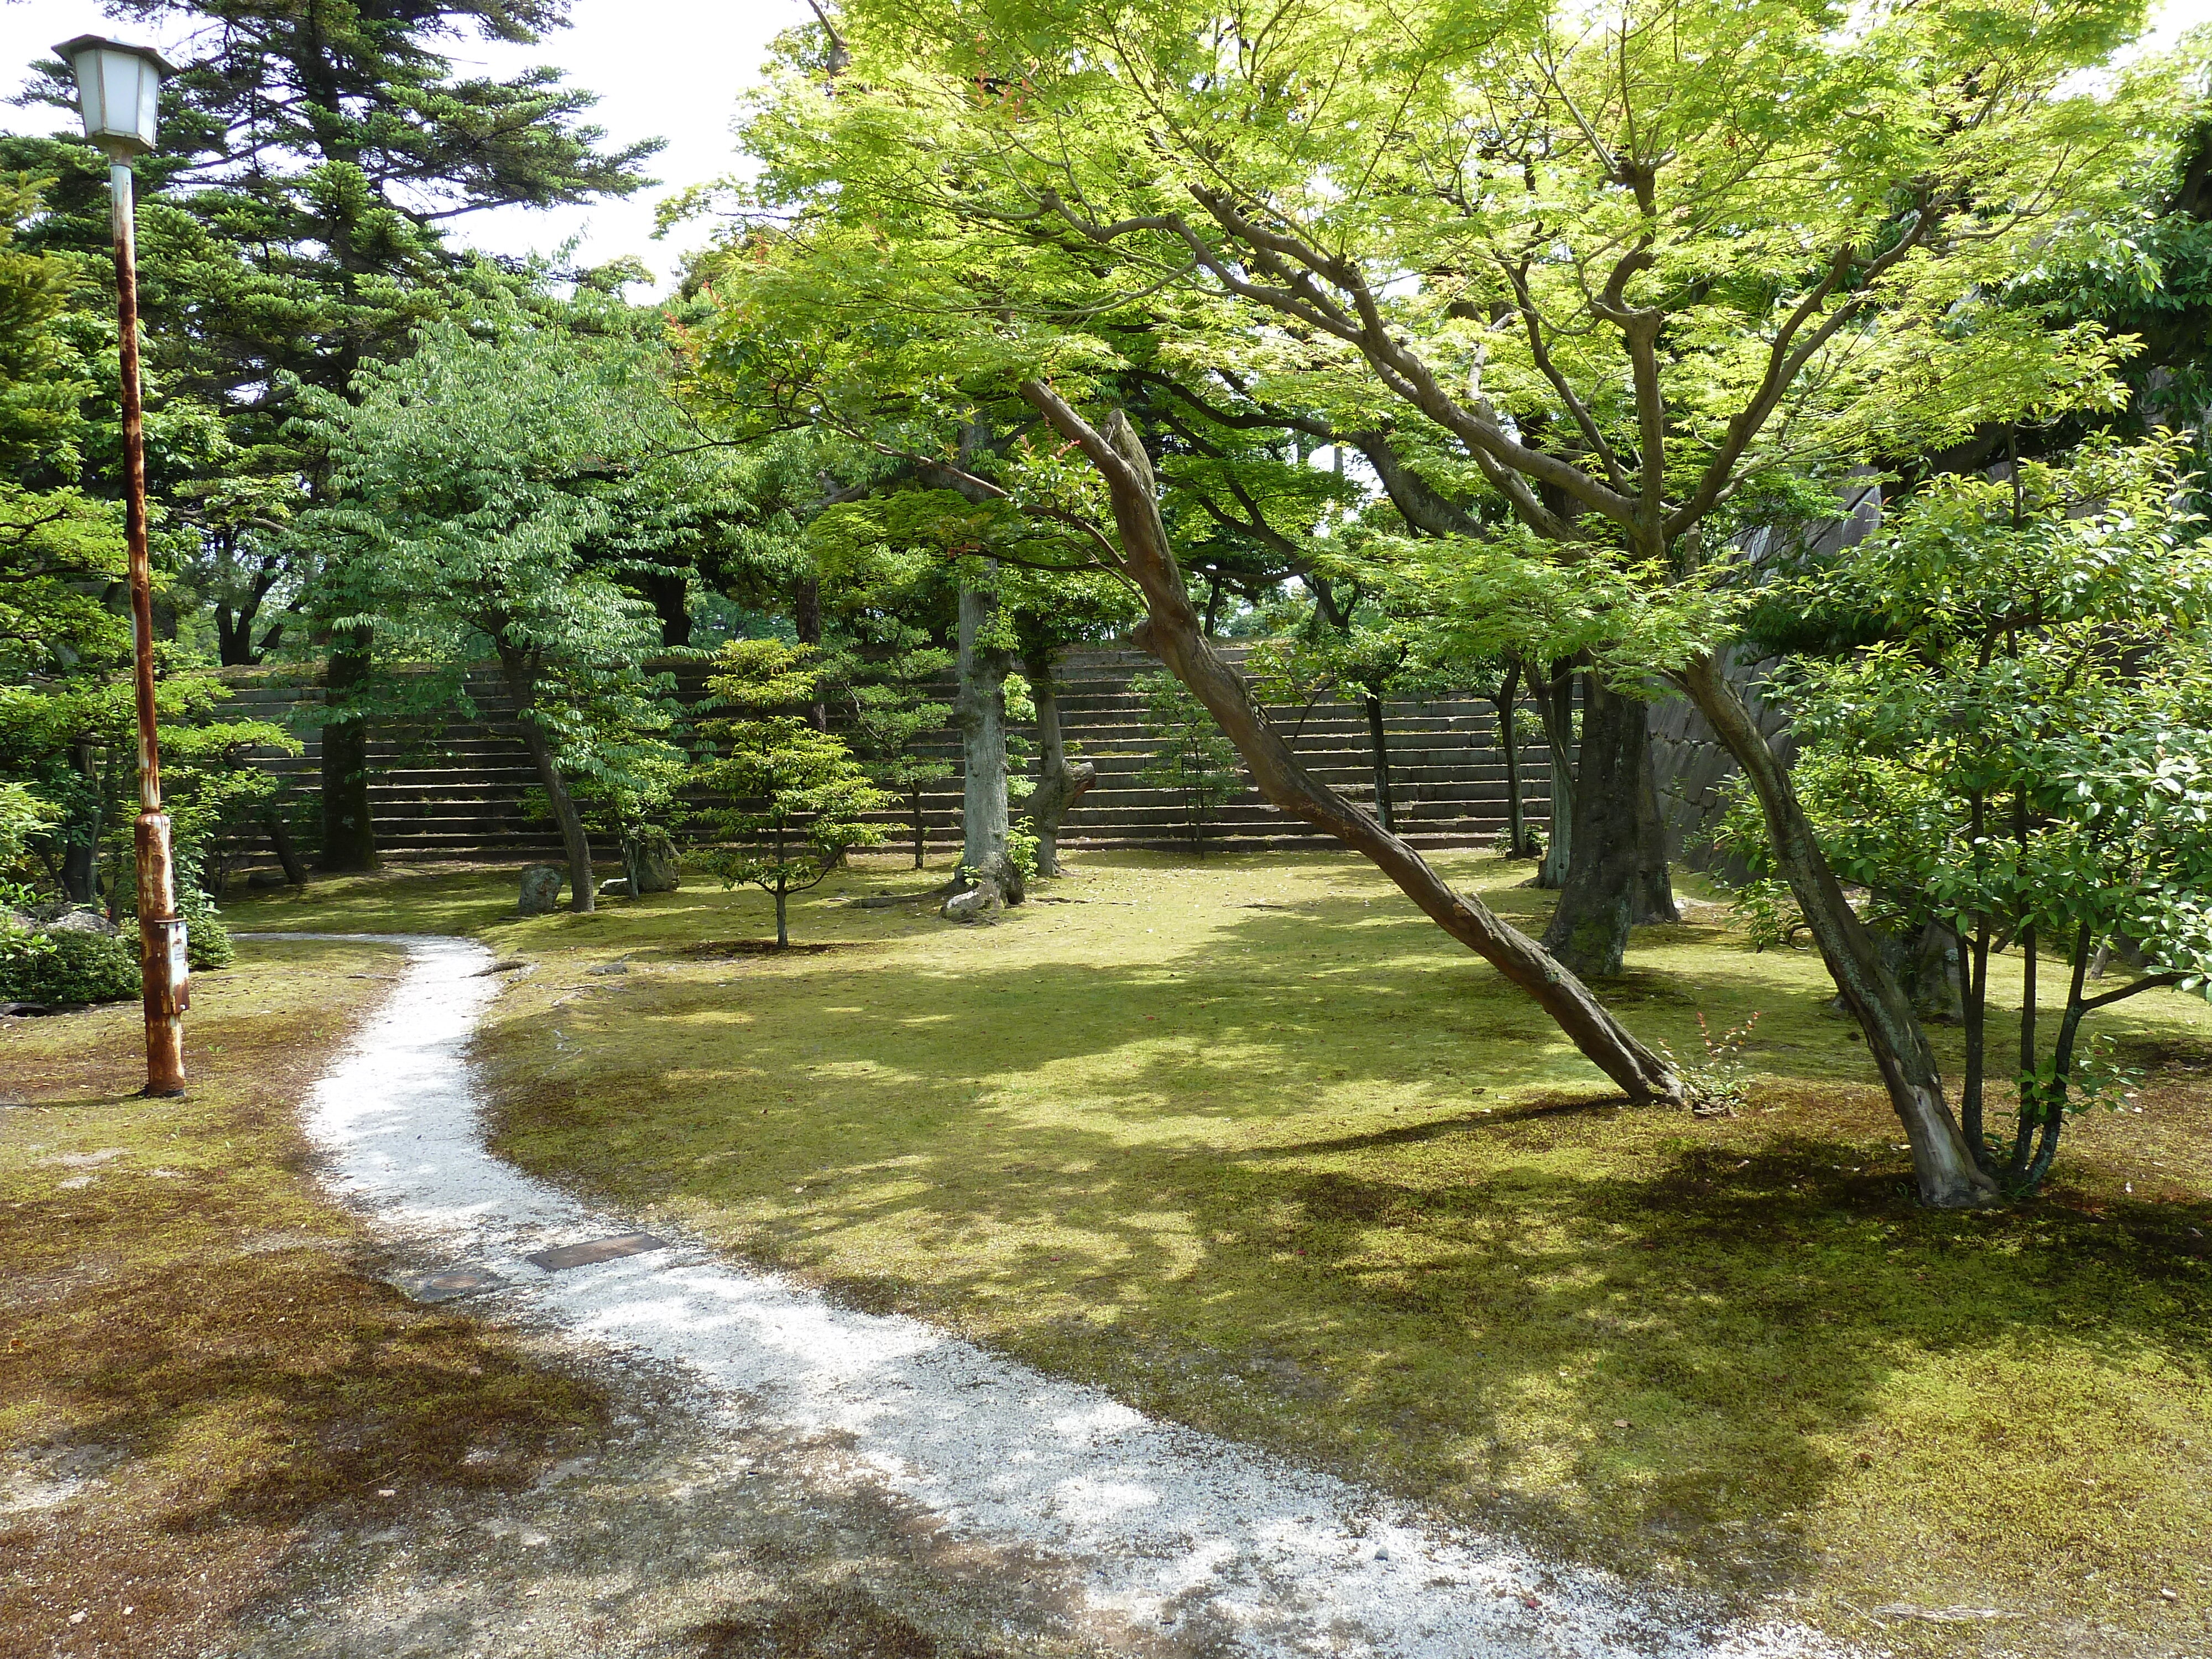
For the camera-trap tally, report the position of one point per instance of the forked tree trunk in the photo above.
(348, 826)
(1060, 785)
(1171, 632)
(979, 714)
(1588, 931)
(1943, 1166)
(522, 688)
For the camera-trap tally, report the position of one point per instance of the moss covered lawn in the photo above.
(1253, 1144)
(200, 1363)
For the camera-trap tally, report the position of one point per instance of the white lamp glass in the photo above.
(118, 90)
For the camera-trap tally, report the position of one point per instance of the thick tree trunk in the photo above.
(979, 714)
(669, 593)
(1588, 931)
(1555, 710)
(1060, 785)
(1654, 896)
(522, 688)
(1379, 743)
(1947, 1174)
(348, 823)
(1171, 632)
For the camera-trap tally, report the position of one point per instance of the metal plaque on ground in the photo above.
(599, 1249)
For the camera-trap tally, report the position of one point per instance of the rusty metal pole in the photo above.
(161, 955)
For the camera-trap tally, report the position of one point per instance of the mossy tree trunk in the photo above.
(1944, 1167)
(1588, 931)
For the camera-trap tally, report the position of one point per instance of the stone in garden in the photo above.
(541, 889)
(615, 887)
(979, 903)
(80, 921)
(652, 868)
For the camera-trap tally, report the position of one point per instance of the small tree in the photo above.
(797, 798)
(1192, 758)
(2028, 760)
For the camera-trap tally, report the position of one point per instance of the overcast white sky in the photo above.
(667, 69)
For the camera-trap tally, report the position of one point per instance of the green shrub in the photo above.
(207, 941)
(68, 967)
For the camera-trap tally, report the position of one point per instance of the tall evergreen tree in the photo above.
(310, 158)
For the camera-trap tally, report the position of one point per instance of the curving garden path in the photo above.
(1164, 1529)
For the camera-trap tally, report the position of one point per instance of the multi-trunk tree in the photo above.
(2024, 758)
(1632, 271)
(476, 487)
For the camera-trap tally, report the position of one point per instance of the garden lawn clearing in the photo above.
(1255, 1147)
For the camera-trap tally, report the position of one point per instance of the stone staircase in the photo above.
(456, 789)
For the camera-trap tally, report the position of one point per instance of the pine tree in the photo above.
(292, 229)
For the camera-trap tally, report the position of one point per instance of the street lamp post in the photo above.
(119, 89)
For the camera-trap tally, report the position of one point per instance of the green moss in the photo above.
(192, 1318)
(1256, 1148)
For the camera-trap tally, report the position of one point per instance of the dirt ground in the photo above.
(667, 1533)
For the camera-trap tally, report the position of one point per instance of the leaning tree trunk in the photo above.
(348, 822)
(979, 714)
(280, 837)
(1059, 785)
(1588, 931)
(1943, 1166)
(1379, 743)
(522, 688)
(1555, 710)
(1171, 632)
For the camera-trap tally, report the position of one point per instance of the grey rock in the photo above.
(609, 968)
(541, 890)
(651, 864)
(616, 887)
(980, 903)
(80, 921)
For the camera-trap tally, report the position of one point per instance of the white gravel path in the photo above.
(1170, 1528)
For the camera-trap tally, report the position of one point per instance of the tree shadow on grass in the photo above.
(1178, 1179)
